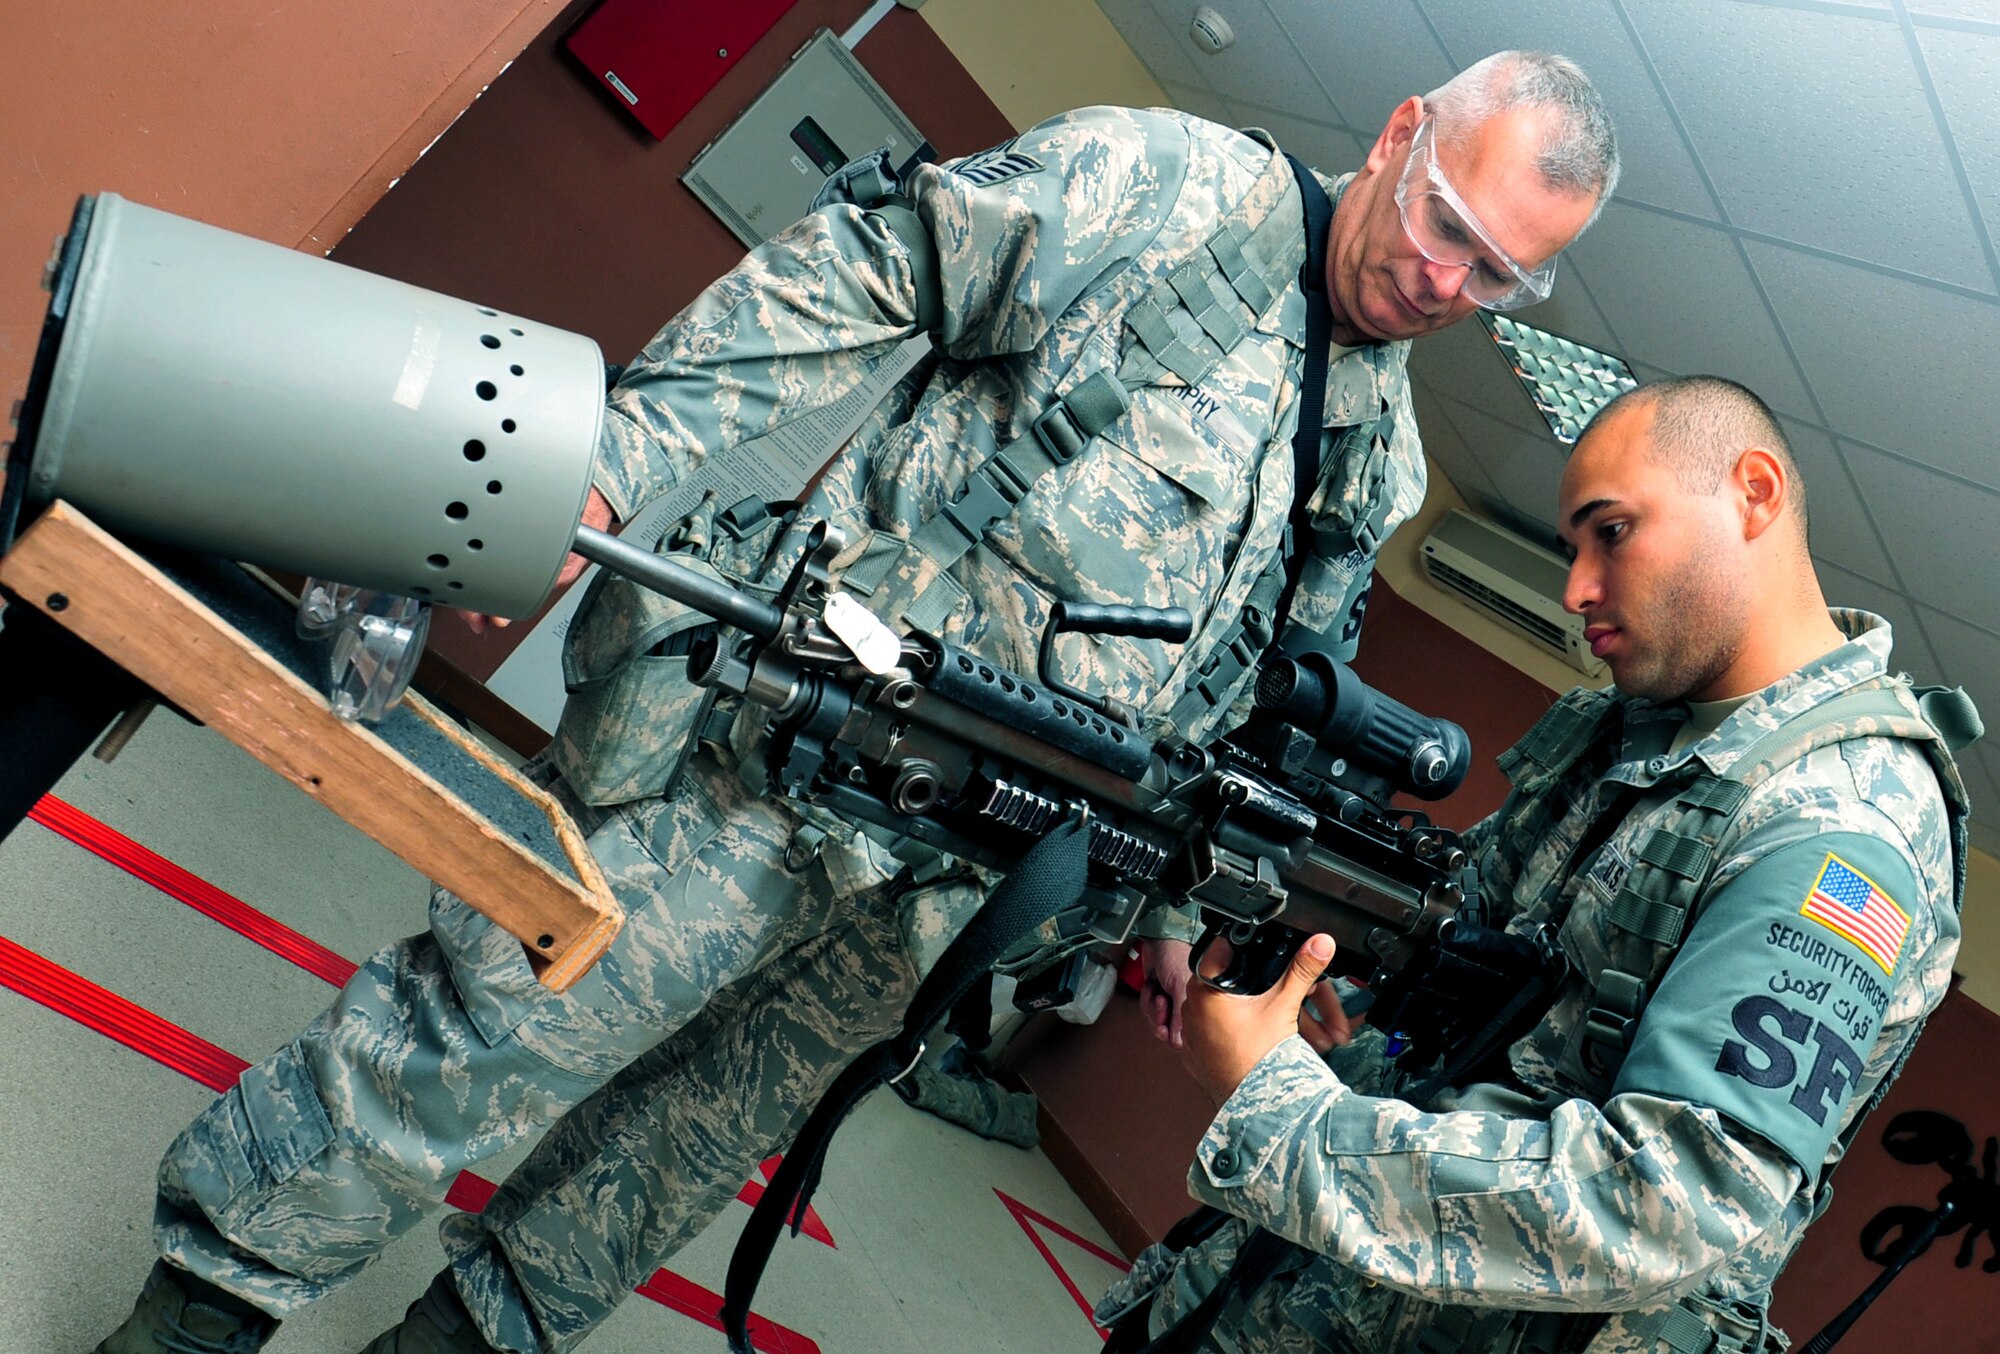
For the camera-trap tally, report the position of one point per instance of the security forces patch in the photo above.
(998, 165)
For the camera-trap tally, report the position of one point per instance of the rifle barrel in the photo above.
(677, 581)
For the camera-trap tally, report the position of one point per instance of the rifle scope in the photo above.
(1349, 719)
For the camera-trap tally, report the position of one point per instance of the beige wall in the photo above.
(1035, 58)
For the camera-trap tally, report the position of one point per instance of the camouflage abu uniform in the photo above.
(750, 969)
(1688, 1174)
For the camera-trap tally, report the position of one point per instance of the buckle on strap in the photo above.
(1620, 997)
(908, 1067)
(1087, 410)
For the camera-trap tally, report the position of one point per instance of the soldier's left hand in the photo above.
(1227, 1034)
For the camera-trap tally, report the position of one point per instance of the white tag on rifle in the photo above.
(874, 644)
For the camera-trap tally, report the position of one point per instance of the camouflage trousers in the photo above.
(736, 992)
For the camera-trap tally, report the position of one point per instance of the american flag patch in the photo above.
(1847, 901)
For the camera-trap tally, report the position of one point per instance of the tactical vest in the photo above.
(1659, 899)
(624, 657)
(1651, 914)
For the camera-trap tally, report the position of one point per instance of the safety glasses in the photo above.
(1445, 231)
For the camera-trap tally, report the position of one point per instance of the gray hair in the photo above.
(1579, 150)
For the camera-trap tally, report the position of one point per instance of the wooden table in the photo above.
(217, 646)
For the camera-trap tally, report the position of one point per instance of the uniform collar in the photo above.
(1864, 657)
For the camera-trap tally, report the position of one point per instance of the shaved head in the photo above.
(1702, 424)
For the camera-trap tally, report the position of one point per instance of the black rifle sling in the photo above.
(1049, 879)
(1312, 387)
(1263, 1252)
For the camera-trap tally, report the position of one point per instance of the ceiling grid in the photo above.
(1809, 206)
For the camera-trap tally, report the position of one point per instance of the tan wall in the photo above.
(1035, 58)
(285, 122)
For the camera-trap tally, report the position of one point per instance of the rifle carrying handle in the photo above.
(1173, 624)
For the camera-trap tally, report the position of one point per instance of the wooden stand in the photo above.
(105, 594)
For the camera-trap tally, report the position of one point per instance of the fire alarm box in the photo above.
(659, 57)
(823, 110)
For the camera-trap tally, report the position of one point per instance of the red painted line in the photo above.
(98, 1008)
(813, 1226)
(689, 1298)
(1027, 1219)
(109, 844)
(103, 1010)
(1020, 1210)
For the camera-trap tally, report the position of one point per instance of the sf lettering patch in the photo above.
(1771, 1036)
(1848, 902)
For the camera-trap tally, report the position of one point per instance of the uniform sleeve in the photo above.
(1782, 991)
(1011, 238)
(1590, 1209)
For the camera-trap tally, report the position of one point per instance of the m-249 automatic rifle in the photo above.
(1278, 831)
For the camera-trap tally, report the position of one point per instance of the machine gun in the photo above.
(425, 446)
(1277, 832)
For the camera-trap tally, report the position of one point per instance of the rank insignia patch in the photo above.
(1847, 901)
(998, 165)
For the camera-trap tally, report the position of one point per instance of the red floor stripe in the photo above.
(1027, 1219)
(103, 1010)
(813, 1226)
(689, 1298)
(139, 862)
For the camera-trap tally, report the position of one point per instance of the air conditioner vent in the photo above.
(1511, 579)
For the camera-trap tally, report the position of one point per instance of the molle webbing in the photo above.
(1237, 272)
(1657, 901)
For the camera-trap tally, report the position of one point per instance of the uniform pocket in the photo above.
(631, 708)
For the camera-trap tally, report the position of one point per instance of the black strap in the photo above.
(1261, 1256)
(1312, 394)
(1049, 879)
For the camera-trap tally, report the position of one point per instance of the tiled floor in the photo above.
(941, 1241)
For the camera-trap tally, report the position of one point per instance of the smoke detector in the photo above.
(1210, 31)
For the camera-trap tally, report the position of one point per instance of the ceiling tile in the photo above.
(1262, 67)
(1894, 362)
(1571, 309)
(1525, 467)
(1331, 150)
(1965, 69)
(1839, 526)
(1981, 11)
(1929, 523)
(1834, 146)
(1913, 652)
(1448, 451)
(1679, 296)
(1463, 362)
(1163, 48)
(1368, 57)
(1658, 166)
(1971, 659)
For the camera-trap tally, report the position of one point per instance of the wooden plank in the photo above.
(104, 593)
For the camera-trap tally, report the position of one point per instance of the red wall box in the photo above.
(658, 57)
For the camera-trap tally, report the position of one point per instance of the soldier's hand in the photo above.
(596, 513)
(1228, 1034)
(1165, 963)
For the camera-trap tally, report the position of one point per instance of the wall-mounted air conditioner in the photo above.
(1511, 579)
